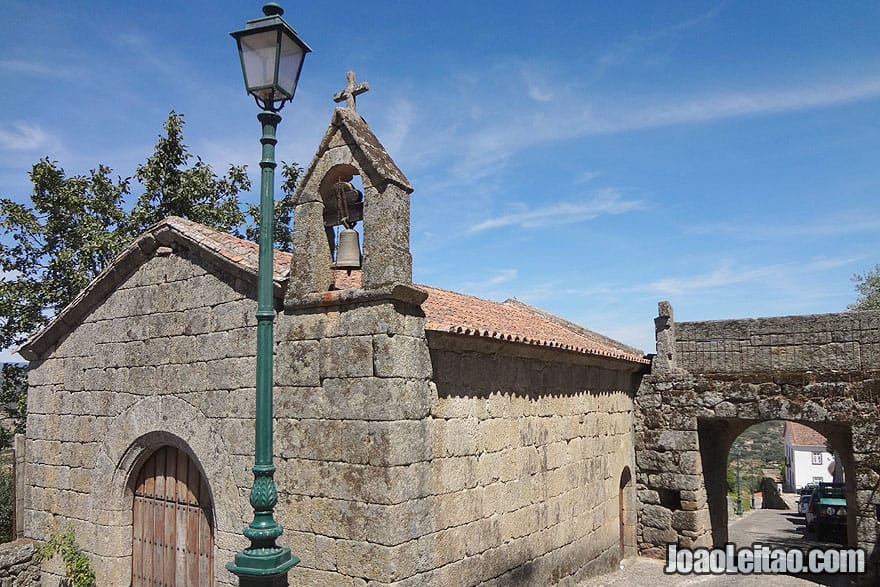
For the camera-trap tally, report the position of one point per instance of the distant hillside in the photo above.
(761, 446)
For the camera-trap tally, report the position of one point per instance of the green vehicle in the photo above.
(827, 511)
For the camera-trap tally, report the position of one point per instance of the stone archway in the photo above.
(716, 437)
(143, 428)
(711, 380)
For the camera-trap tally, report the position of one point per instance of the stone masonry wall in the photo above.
(849, 341)
(17, 565)
(167, 358)
(507, 468)
(354, 446)
(528, 450)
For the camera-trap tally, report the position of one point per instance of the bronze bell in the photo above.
(348, 254)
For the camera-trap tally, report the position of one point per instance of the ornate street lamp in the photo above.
(271, 59)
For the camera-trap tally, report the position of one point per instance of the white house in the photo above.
(807, 458)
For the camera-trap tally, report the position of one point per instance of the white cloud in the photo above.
(584, 177)
(721, 106)
(716, 278)
(648, 43)
(605, 202)
(539, 92)
(485, 147)
(502, 276)
(726, 275)
(399, 119)
(23, 136)
(843, 225)
(33, 68)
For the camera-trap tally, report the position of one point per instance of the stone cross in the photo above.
(351, 91)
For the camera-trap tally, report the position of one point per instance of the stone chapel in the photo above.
(422, 436)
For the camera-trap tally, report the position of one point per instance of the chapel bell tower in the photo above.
(328, 207)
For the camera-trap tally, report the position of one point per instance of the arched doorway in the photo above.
(719, 454)
(626, 514)
(172, 523)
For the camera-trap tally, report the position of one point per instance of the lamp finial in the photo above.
(272, 9)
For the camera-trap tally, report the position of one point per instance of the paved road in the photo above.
(776, 528)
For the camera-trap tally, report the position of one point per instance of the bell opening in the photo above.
(343, 216)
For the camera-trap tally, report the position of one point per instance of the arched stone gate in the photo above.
(712, 380)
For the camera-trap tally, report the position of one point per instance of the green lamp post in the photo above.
(271, 59)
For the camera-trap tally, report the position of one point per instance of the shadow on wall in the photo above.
(476, 368)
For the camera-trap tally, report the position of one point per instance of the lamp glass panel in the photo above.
(258, 56)
(291, 62)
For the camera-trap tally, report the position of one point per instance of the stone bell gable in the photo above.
(350, 148)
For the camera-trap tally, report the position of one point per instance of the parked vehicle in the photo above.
(804, 503)
(826, 513)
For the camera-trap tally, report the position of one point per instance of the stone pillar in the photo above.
(387, 257)
(353, 380)
(310, 271)
(664, 332)
(19, 481)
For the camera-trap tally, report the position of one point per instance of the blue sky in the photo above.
(590, 158)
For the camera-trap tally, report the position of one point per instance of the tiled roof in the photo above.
(445, 311)
(237, 250)
(449, 311)
(801, 435)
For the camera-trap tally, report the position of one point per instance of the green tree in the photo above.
(173, 189)
(283, 237)
(77, 224)
(6, 505)
(868, 288)
(75, 227)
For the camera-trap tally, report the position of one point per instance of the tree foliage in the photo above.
(6, 505)
(76, 224)
(868, 288)
(173, 189)
(75, 227)
(290, 173)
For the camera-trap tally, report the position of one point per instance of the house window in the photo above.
(817, 458)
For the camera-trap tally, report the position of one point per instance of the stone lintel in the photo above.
(395, 292)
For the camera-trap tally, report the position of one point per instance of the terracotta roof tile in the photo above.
(445, 311)
(239, 251)
(804, 435)
(449, 311)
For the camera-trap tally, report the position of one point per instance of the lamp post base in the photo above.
(262, 569)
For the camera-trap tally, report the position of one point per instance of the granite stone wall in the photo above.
(354, 445)
(849, 341)
(399, 462)
(528, 450)
(17, 565)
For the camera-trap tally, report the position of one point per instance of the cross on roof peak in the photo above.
(350, 92)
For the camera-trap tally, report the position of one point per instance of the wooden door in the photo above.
(172, 530)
